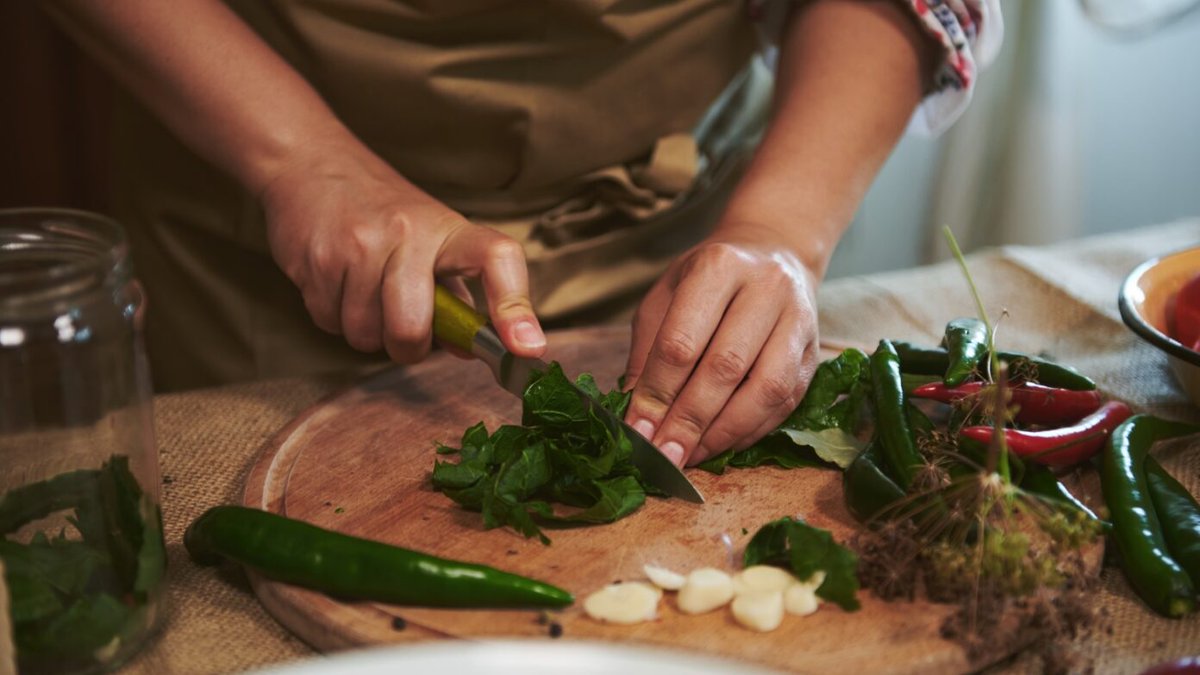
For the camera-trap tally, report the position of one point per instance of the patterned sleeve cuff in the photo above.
(970, 32)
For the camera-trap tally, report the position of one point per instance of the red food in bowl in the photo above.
(1186, 314)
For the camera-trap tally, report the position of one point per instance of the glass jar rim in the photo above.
(78, 252)
(108, 247)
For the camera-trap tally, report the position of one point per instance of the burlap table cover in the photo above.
(1060, 300)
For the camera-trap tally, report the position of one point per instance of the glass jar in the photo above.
(79, 483)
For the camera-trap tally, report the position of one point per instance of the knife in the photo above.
(457, 323)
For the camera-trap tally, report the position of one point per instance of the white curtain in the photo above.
(1019, 167)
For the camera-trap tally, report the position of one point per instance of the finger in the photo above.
(407, 298)
(322, 298)
(319, 271)
(646, 322)
(736, 345)
(695, 311)
(362, 306)
(768, 395)
(499, 261)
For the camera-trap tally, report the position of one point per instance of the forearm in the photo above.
(850, 74)
(211, 79)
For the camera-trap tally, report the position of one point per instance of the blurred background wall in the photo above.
(1076, 129)
(54, 118)
(1079, 128)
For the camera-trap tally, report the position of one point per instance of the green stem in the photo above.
(993, 362)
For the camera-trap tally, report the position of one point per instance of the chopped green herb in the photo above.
(561, 453)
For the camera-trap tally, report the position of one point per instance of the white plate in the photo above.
(516, 657)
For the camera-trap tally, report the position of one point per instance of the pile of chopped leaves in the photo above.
(560, 453)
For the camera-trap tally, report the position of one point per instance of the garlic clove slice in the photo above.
(704, 590)
(625, 603)
(664, 578)
(759, 610)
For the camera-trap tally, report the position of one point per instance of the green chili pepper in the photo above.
(1179, 515)
(922, 361)
(1040, 481)
(966, 343)
(1137, 530)
(894, 431)
(867, 488)
(349, 567)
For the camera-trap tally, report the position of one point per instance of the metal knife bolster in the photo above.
(511, 372)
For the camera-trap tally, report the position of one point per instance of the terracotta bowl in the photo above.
(1145, 299)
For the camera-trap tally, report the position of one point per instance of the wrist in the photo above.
(311, 148)
(808, 245)
(801, 226)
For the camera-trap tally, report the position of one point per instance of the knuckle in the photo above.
(774, 391)
(720, 253)
(678, 349)
(323, 262)
(503, 249)
(719, 438)
(684, 424)
(513, 305)
(405, 335)
(651, 400)
(728, 367)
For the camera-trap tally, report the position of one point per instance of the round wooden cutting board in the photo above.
(359, 463)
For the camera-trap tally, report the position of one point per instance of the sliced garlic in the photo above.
(759, 610)
(814, 582)
(705, 590)
(664, 578)
(625, 603)
(762, 578)
(801, 599)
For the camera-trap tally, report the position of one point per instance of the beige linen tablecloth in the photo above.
(1060, 300)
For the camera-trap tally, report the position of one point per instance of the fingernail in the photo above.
(644, 427)
(673, 451)
(528, 334)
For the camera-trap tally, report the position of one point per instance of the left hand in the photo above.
(724, 345)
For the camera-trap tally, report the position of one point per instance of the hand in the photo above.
(364, 246)
(723, 347)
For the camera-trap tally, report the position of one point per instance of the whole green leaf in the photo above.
(796, 545)
(834, 445)
(774, 449)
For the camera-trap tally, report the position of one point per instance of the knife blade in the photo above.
(458, 324)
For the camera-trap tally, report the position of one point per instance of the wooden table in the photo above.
(1059, 299)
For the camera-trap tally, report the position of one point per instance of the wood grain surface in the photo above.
(359, 463)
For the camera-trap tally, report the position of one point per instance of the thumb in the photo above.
(499, 262)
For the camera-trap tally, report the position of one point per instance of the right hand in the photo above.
(364, 246)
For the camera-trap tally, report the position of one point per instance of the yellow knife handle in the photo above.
(454, 321)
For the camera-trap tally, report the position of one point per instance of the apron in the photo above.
(602, 135)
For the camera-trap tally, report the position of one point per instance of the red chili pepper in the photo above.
(1063, 446)
(1188, 665)
(1036, 403)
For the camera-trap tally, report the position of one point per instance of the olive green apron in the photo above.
(602, 135)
